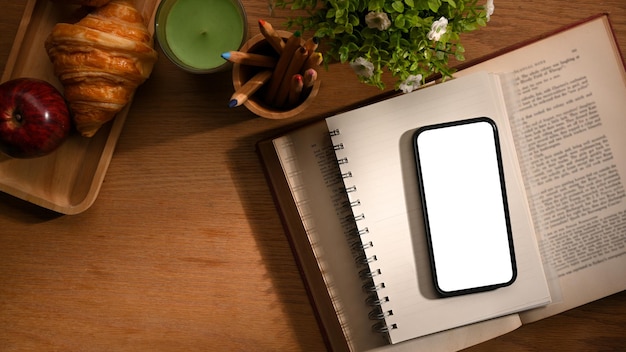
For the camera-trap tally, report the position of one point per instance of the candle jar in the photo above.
(194, 33)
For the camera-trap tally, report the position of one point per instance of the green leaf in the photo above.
(451, 2)
(468, 27)
(394, 40)
(343, 55)
(412, 19)
(324, 32)
(367, 33)
(352, 47)
(421, 5)
(398, 6)
(353, 20)
(349, 28)
(405, 44)
(399, 21)
(434, 5)
(339, 29)
(376, 5)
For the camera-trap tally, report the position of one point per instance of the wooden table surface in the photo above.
(183, 249)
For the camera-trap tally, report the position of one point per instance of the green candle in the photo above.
(198, 31)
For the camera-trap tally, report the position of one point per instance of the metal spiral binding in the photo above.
(374, 301)
(379, 314)
(359, 243)
(367, 274)
(363, 231)
(372, 287)
(363, 259)
(383, 328)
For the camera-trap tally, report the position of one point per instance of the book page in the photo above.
(569, 131)
(310, 168)
(382, 180)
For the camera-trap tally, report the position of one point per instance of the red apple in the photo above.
(34, 118)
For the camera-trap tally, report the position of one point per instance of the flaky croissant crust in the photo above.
(100, 61)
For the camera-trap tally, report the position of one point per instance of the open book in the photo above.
(558, 104)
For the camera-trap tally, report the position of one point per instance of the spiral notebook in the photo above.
(376, 159)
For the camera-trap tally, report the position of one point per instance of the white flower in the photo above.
(362, 67)
(378, 20)
(438, 29)
(411, 83)
(490, 7)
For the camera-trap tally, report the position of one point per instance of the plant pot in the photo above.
(256, 102)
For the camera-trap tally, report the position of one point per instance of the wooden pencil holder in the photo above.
(255, 103)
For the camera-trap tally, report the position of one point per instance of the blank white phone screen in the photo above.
(464, 204)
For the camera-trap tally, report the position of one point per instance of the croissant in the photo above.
(100, 61)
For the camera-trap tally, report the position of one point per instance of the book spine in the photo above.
(361, 244)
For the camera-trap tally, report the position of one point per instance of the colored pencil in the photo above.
(295, 66)
(250, 87)
(295, 89)
(292, 45)
(271, 36)
(313, 61)
(250, 59)
(311, 44)
(309, 77)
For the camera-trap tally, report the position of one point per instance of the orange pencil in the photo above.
(250, 59)
(295, 89)
(292, 45)
(250, 87)
(295, 66)
(271, 36)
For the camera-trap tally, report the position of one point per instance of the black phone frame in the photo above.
(438, 289)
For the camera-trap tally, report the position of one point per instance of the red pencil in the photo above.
(271, 36)
(295, 89)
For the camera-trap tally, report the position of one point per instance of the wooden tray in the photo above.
(68, 180)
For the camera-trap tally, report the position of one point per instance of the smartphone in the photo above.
(464, 203)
